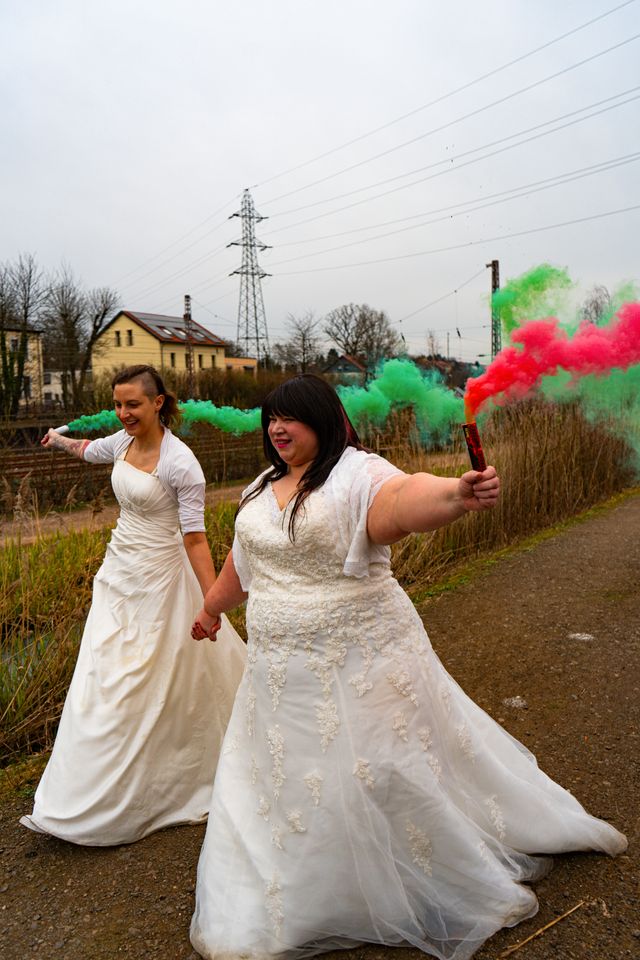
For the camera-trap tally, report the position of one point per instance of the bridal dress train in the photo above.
(147, 708)
(361, 796)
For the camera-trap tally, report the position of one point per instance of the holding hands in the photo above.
(205, 626)
(479, 491)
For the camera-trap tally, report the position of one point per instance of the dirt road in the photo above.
(547, 640)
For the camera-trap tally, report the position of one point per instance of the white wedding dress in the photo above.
(147, 707)
(361, 796)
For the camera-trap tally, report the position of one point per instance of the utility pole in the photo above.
(188, 354)
(448, 354)
(252, 322)
(496, 329)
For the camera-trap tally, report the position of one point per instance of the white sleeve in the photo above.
(105, 449)
(351, 488)
(241, 564)
(189, 485)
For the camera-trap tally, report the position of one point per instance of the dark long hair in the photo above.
(152, 386)
(312, 401)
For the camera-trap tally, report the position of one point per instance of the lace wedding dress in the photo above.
(361, 796)
(148, 707)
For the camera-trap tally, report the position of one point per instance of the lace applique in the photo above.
(276, 749)
(328, 722)
(314, 782)
(276, 837)
(400, 726)
(264, 807)
(425, 738)
(495, 815)
(273, 899)
(276, 679)
(421, 848)
(250, 709)
(483, 850)
(230, 744)
(436, 766)
(360, 683)
(335, 654)
(464, 740)
(445, 696)
(362, 770)
(294, 819)
(402, 682)
(254, 771)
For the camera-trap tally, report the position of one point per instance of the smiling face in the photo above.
(138, 413)
(296, 443)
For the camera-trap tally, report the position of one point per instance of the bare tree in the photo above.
(72, 321)
(360, 331)
(21, 293)
(597, 304)
(301, 349)
(433, 344)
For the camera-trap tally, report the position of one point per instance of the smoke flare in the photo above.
(543, 348)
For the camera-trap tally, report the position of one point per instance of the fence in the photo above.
(56, 477)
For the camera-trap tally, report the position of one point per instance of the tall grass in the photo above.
(553, 463)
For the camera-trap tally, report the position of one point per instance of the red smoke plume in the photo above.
(545, 348)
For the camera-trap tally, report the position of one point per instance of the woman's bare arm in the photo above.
(55, 441)
(418, 502)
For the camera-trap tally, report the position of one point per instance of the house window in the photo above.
(48, 395)
(47, 379)
(173, 359)
(13, 345)
(213, 359)
(129, 338)
(118, 341)
(26, 386)
(200, 361)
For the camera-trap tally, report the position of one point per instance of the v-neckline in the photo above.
(277, 502)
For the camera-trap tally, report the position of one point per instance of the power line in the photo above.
(180, 239)
(469, 243)
(466, 116)
(450, 93)
(444, 296)
(450, 160)
(560, 180)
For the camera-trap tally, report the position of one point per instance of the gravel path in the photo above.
(546, 640)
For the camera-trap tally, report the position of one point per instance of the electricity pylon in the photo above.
(252, 332)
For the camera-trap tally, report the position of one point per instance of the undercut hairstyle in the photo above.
(314, 402)
(152, 386)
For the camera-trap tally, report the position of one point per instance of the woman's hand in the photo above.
(205, 626)
(479, 491)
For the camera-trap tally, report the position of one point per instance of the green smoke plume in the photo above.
(540, 292)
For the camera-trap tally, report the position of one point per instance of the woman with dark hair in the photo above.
(361, 796)
(146, 711)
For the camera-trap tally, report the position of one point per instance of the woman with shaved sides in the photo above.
(147, 709)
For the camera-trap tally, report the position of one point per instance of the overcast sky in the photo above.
(390, 167)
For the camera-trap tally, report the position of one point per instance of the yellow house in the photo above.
(153, 338)
(32, 380)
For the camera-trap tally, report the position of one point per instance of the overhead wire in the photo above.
(560, 180)
(450, 160)
(468, 243)
(451, 123)
(445, 96)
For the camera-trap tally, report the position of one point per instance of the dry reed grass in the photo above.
(553, 463)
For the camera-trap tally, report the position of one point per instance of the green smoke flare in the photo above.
(535, 294)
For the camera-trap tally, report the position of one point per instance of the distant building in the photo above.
(242, 365)
(32, 380)
(159, 340)
(347, 370)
